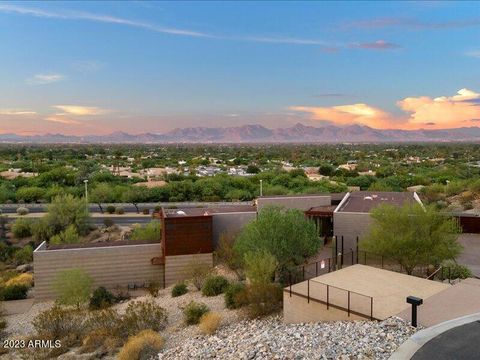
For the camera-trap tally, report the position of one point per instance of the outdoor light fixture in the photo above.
(415, 301)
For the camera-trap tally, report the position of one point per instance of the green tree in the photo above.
(73, 287)
(101, 194)
(69, 236)
(412, 235)
(286, 234)
(135, 195)
(326, 169)
(66, 210)
(150, 231)
(260, 267)
(30, 194)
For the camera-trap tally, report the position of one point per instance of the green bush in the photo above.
(260, 267)
(454, 271)
(105, 319)
(233, 295)
(119, 210)
(59, 322)
(179, 289)
(193, 312)
(146, 211)
(69, 236)
(263, 299)
(110, 209)
(14, 292)
(22, 211)
(108, 222)
(143, 315)
(41, 231)
(198, 272)
(23, 255)
(150, 231)
(154, 288)
(101, 299)
(214, 285)
(73, 287)
(22, 228)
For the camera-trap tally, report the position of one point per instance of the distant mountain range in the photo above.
(297, 133)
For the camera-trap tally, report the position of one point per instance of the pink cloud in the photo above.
(375, 45)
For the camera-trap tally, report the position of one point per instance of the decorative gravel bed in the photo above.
(270, 338)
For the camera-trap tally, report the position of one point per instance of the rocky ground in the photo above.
(271, 339)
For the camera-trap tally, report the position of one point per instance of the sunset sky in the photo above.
(94, 68)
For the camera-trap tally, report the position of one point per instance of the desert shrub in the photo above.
(214, 285)
(108, 222)
(119, 210)
(22, 228)
(41, 231)
(454, 271)
(233, 295)
(466, 197)
(59, 322)
(22, 211)
(179, 289)
(150, 231)
(263, 299)
(103, 322)
(95, 340)
(193, 312)
(14, 292)
(142, 346)
(101, 299)
(3, 326)
(198, 272)
(143, 315)
(153, 288)
(69, 236)
(225, 253)
(260, 267)
(23, 255)
(210, 322)
(22, 279)
(73, 287)
(146, 211)
(110, 209)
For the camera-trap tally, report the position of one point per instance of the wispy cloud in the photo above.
(62, 119)
(88, 66)
(410, 24)
(474, 54)
(76, 15)
(40, 79)
(14, 112)
(78, 110)
(375, 45)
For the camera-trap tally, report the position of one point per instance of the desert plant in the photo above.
(119, 210)
(225, 253)
(260, 267)
(69, 236)
(108, 222)
(105, 319)
(14, 292)
(210, 322)
(101, 299)
(233, 295)
(153, 288)
(22, 211)
(150, 231)
(198, 272)
(142, 315)
(58, 322)
(179, 289)
(73, 287)
(193, 312)
(95, 340)
(110, 209)
(142, 346)
(455, 271)
(263, 299)
(23, 255)
(22, 279)
(214, 285)
(22, 228)
(146, 211)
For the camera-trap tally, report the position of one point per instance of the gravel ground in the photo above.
(21, 324)
(272, 339)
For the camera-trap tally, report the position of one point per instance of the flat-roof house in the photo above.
(351, 218)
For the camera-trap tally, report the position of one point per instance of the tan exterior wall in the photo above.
(350, 225)
(296, 309)
(109, 266)
(300, 202)
(177, 267)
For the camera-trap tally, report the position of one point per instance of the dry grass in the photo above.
(145, 344)
(210, 322)
(22, 279)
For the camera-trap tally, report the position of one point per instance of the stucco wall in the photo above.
(295, 202)
(296, 310)
(231, 223)
(177, 267)
(350, 225)
(109, 266)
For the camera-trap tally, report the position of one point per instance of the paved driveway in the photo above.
(471, 252)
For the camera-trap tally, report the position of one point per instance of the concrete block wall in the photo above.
(177, 267)
(109, 266)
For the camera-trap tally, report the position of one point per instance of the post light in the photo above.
(86, 193)
(261, 187)
(415, 301)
